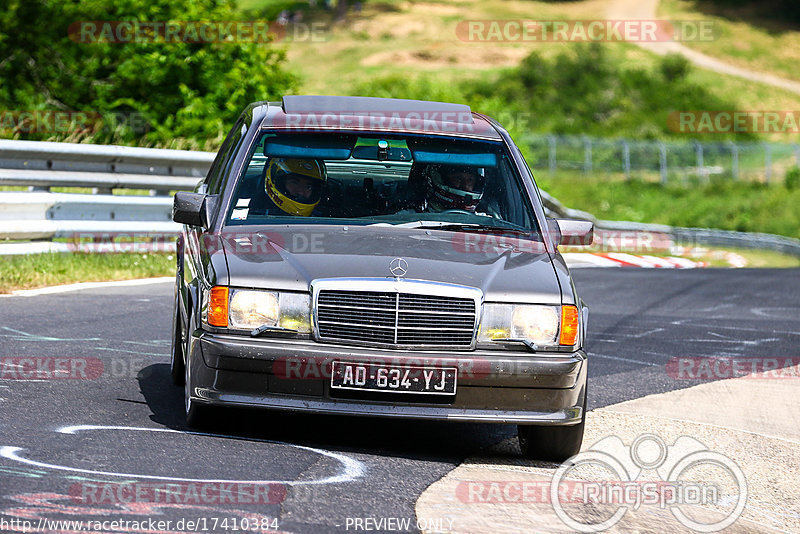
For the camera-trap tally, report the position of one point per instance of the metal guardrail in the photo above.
(49, 215)
(665, 161)
(42, 165)
(709, 236)
(39, 214)
(44, 215)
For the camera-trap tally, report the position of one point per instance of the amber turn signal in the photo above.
(218, 306)
(569, 325)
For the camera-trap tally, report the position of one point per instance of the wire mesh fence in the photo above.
(664, 161)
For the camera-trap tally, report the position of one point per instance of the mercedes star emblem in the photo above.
(398, 267)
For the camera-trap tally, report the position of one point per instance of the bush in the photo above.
(674, 67)
(584, 90)
(741, 206)
(182, 89)
(792, 179)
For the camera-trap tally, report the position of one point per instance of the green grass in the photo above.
(756, 259)
(38, 270)
(418, 44)
(723, 204)
(742, 37)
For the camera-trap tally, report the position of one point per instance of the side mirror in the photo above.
(572, 232)
(194, 209)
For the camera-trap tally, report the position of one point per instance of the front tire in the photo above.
(177, 366)
(552, 443)
(198, 416)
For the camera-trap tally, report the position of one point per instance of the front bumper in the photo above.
(493, 386)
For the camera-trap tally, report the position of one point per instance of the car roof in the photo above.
(303, 113)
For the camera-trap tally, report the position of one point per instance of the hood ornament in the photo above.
(398, 267)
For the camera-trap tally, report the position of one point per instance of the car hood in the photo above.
(506, 268)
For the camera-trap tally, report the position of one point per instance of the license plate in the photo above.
(395, 379)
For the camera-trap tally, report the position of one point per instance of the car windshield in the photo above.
(421, 181)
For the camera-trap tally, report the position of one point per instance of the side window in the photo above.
(512, 196)
(223, 160)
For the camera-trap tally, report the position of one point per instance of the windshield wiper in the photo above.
(270, 328)
(527, 342)
(466, 227)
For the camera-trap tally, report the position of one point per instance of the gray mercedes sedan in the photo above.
(379, 257)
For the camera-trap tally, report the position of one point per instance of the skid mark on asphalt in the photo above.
(718, 335)
(110, 349)
(748, 343)
(20, 335)
(351, 469)
(621, 359)
(770, 313)
(716, 308)
(638, 323)
(157, 342)
(25, 336)
(7, 367)
(769, 511)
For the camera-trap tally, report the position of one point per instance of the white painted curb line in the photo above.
(87, 285)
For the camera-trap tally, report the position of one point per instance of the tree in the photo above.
(187, 87)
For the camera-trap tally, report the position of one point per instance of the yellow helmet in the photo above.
(295, 185)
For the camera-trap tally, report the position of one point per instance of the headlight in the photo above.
(538, 324)
(295, 311)
(249, 309)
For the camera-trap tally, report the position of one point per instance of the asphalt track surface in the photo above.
(335, 468)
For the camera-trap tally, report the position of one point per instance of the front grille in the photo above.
(395, 319)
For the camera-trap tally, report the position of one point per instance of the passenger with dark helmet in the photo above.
(454, 187)
(294, 186)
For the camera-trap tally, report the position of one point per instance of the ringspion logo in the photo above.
(688, 475)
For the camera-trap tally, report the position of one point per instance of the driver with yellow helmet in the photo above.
(294, 185)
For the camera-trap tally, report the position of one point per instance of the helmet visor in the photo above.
(456, 187)
(299, 187)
